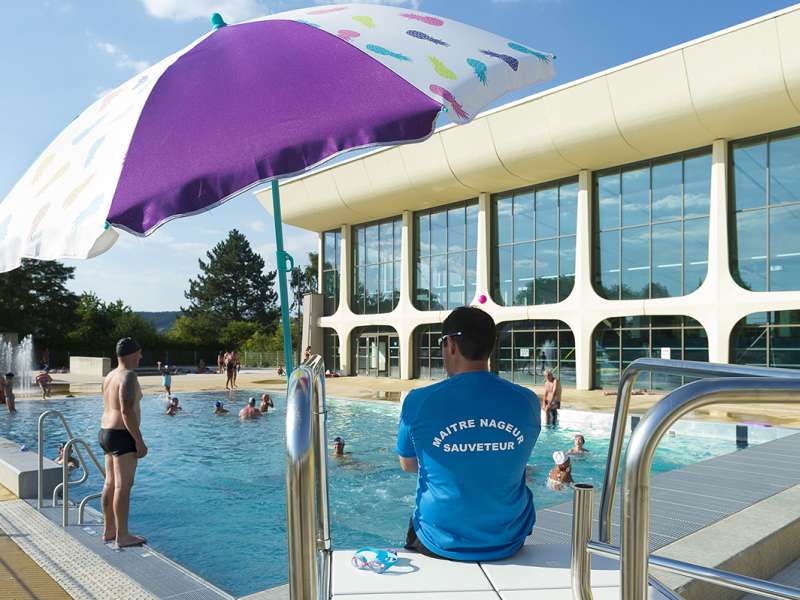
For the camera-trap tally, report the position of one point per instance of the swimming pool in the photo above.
(210, 495)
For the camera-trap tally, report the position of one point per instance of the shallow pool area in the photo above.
(210, 495)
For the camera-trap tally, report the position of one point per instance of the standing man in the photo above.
(121, 441)
(43, 380)
(8, 392)
(552, 397)
(469, 438)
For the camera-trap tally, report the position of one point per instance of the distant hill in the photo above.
(162, 320)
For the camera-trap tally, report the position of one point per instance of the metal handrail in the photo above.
(307, 505)
(642, 446)
(734, 581)
(40, 453)
(627, 381)
(66, 482)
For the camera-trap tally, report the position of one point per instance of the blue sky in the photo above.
(59, 55)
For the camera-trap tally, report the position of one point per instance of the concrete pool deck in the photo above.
(687, 502)
(381, 388)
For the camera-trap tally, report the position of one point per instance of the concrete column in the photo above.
(320, 252)
(312, 332)
(721, 286)
(407, 261)
(583, 291)
(484, 250)
(345, 266)
(344, 350)
(406, 336)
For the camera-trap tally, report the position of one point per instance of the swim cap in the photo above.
(559, 457)
(252, 401)
(126, 346)
(218, 404)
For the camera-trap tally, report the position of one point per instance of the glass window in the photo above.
(533, 261)
(784, 248)
(635, 262)
(751, 250)
(659, 248)
(445, 263)
(427, 354)
(766, 207)
(546, 212)
(608, 200)
(568, 208)
(618, 342)
(695, 253)
(376, 267)
(636, 196)
(767, 339)
(330, 349)
(377, 351)
(667, 191)
(667, 260)
(749, 175)
(526, 348)
(331, 257)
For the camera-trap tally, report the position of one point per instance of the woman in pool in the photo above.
(266, 403)
(219, 408)
(561, 474)
(578, 449)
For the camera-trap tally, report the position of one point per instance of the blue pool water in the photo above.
(210, 495)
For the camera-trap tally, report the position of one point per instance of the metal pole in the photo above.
(282, 258)
(626, 383)
(40, 453)
(65, 474)
(317, 365)
(300, 487)
(641, 448)
(580, 559)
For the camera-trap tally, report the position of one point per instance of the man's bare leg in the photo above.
(124, 471)
(107, 500)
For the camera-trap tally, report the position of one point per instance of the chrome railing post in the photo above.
(307, 509)
(641, 448)
(580, 559)
(40, 455)
(627, 381)
(65, 474)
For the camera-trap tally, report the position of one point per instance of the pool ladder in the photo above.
(72, 442)
(725, 383)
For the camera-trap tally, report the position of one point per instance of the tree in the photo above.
(236, 333)
(232, 286)
(97, 326)
(34, 299)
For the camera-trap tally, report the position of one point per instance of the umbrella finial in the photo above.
(217, 21)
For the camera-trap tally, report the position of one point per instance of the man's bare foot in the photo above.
(130, 540)
(109, 535)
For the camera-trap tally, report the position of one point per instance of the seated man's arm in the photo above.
(405, 445)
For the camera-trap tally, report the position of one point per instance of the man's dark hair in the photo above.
(478, 332)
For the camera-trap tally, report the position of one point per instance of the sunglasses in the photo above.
(447, 335)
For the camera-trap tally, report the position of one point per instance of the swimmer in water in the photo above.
(561, 474)
(173, 408)
(250, 411)
(219, 409)
(578, 449)
(338, 447)
(266, 403)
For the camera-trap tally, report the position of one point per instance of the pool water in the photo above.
(210, 494)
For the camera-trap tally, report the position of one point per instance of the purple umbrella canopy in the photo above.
(248, 103)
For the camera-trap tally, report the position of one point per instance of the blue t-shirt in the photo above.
(472, 435)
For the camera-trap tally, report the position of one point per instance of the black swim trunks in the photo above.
(116, 441)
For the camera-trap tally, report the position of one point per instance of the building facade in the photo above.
(649, 210)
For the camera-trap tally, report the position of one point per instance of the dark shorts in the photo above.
(116, 441)
(414, 543)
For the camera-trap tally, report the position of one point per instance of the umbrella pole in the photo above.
(282, 259)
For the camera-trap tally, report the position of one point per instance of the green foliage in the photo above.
(236, 333)
(34, 299)
(97, 326)
(232, 286)
(271, 342)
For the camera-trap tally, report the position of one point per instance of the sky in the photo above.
(61, 55)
